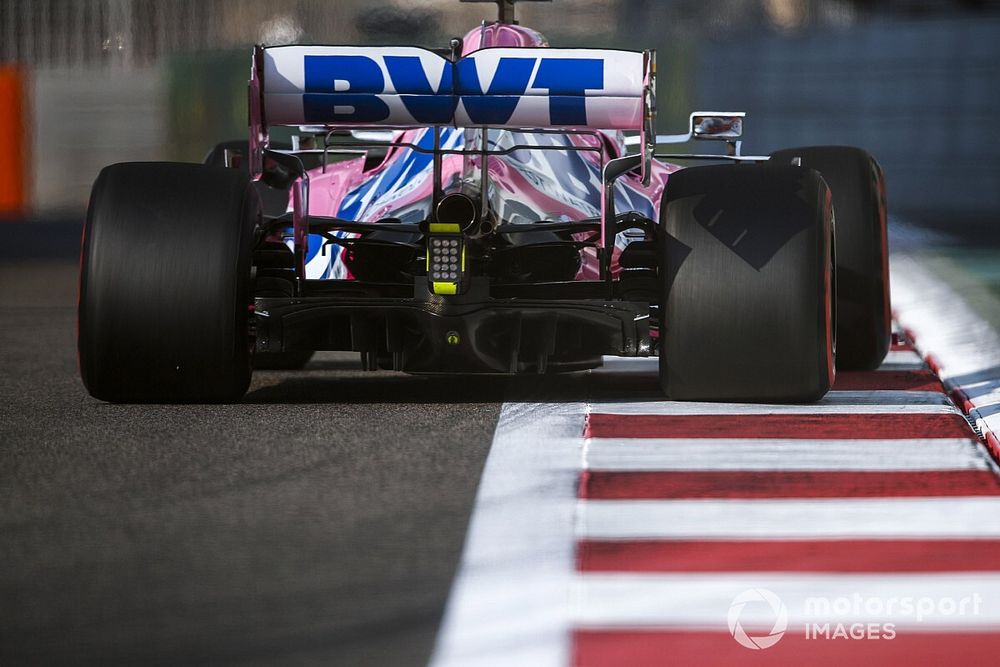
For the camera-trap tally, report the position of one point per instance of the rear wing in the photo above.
(413, 87)
(531, 89)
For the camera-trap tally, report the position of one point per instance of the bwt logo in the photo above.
(346, 88)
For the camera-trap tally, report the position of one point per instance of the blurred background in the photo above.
(84, 83)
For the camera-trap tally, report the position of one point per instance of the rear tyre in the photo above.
(165, 284)
(746, 271)
(864, 327)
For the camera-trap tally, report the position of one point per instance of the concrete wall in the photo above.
(85, 119)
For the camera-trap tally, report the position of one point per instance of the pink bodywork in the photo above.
(508, 177)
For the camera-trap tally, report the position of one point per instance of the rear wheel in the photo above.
(864, 327)
(746, 272)
(165, 284)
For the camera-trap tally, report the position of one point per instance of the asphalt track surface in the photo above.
(318, 522)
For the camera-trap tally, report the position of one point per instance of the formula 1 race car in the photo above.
(497, 207)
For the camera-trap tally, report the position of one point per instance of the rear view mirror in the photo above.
(721, 125)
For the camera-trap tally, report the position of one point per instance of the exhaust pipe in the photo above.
(458, 209)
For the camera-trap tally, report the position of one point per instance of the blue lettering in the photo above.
(355, 102)
(567, 79)
(426, 105)
(360, 73)
(346, 88)
(497, 104)
(339, 108)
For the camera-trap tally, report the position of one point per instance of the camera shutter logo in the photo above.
(778, 609)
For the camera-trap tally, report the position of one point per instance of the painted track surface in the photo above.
(622, 532)
(879, 493)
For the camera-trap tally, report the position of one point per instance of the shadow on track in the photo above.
(340, 380)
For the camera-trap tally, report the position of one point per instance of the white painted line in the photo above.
(900, 359)
(985, 397)
(630, 365)
(966, 347)
(943, 322)
(509, 604)
(835, 402)
(820, 518)
(650, 454)
(702, 600)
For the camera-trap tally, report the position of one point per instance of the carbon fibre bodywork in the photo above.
(432, 335)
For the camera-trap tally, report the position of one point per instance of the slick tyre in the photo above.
(864, 327)
(746, 272)
(165, 284)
